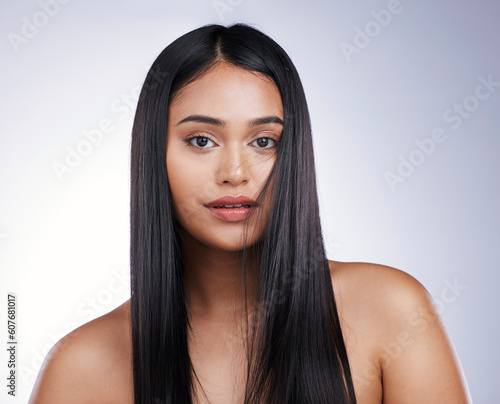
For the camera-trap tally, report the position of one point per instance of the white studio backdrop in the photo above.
(404, 99)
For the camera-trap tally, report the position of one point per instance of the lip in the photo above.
(232, 200)
(232, 214)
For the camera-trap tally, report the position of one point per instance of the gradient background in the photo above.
(64, 241)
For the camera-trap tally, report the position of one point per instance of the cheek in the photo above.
(186, 183)
(263, 172)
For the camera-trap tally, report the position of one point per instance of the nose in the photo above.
(233, 167)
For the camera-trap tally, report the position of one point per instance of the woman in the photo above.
(232, 295)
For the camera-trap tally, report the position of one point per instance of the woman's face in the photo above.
(219, 145)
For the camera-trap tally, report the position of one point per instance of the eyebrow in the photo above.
(219, 122)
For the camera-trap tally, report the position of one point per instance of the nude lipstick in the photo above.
(232, 208)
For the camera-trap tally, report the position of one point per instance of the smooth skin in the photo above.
(398, 349)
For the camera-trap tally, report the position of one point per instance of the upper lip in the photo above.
(232, 200)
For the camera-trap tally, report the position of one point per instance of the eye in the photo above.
(265, 143)
(198, 141)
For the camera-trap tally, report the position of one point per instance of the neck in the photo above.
(213, 280)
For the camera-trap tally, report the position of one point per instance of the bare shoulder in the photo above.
(349, 274)
(388, 313)
(92, 364)
(381, 301)
(382, 287)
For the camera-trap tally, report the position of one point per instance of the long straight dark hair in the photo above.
(298, 354)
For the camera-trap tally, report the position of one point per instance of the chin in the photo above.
(231, 246)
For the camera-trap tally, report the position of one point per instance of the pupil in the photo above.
(263, 141)
(201, 141)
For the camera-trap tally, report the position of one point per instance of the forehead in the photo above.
(229, 91)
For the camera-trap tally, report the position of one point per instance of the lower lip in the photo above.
(231, 214)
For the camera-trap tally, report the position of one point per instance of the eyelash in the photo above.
(189, 144)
